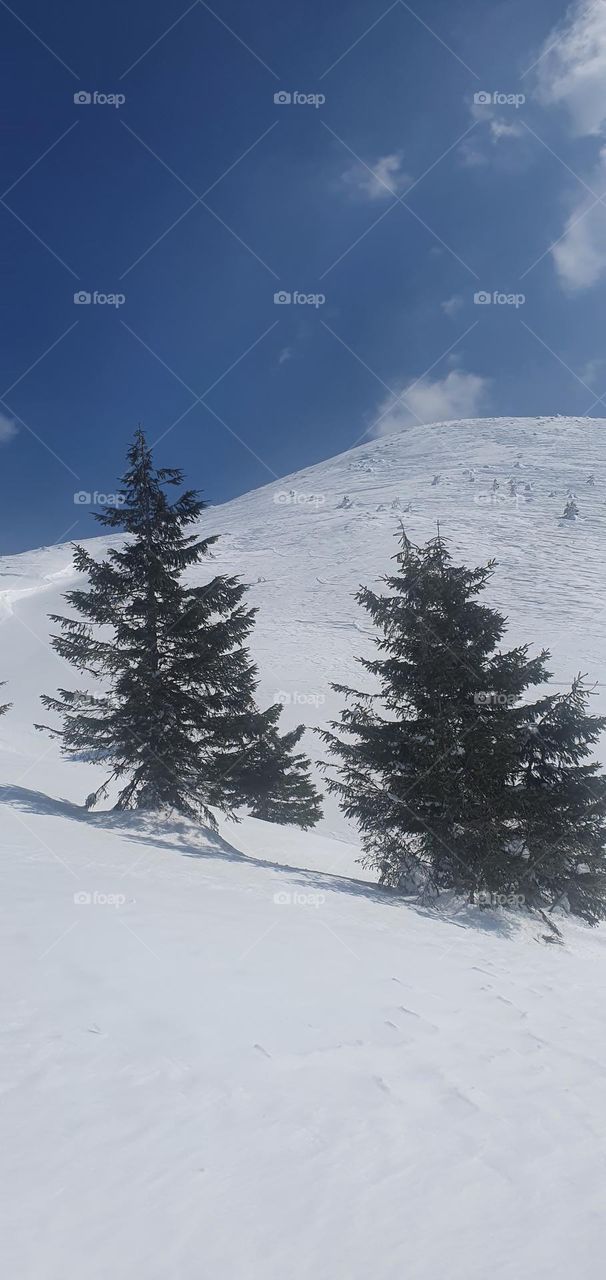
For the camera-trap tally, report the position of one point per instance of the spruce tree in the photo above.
(562, 813)
(439, 766)
(6, 706)
(571, 511)
(175, 716)
(275, 779)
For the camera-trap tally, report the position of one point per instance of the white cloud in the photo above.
(285, 354)
(580, 254)
(380, 180)
(8, 429)
(593, 371)
(480, 147)
(450, 306)
(572, 69)
(458, 395)
(571, 74)
(504, 129)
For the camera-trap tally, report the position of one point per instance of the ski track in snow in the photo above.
(231, 1058)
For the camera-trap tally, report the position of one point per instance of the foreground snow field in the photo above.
(233, 1056)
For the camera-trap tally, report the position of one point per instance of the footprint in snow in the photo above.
(260, 1049)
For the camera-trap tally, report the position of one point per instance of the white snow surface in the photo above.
(233, 1056)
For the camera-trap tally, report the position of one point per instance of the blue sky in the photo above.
(382, 200)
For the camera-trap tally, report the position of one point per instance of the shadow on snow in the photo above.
(204, 843)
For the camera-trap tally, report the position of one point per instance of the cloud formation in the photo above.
(572, 67)
(480, 147)
(457, 395)
(379, 181)
(450, 306)
(8, 429)
(571, 74)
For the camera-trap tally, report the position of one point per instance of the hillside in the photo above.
(304, 556)
(235, 1056)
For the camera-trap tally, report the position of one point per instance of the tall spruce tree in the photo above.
(175, 715)
(441, 768)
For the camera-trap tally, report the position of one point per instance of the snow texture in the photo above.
(232, 1055)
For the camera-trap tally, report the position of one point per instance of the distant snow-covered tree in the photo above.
(5, 706)
(571, 511)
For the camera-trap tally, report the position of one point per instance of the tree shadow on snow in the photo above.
(186, 839)
(204, 843)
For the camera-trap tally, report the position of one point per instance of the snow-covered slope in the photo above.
(224, 1055)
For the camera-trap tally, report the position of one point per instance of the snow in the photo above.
(235, 1056)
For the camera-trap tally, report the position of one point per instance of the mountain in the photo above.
(234, 1055)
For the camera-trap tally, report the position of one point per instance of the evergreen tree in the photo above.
(440, 767)
(6, 706)
(571, 511)
(177, 716)
(275, 780)
(562, 814)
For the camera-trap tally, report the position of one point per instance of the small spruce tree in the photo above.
(5, 706)
(176, 716)
(571, 511)
(274, 778)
